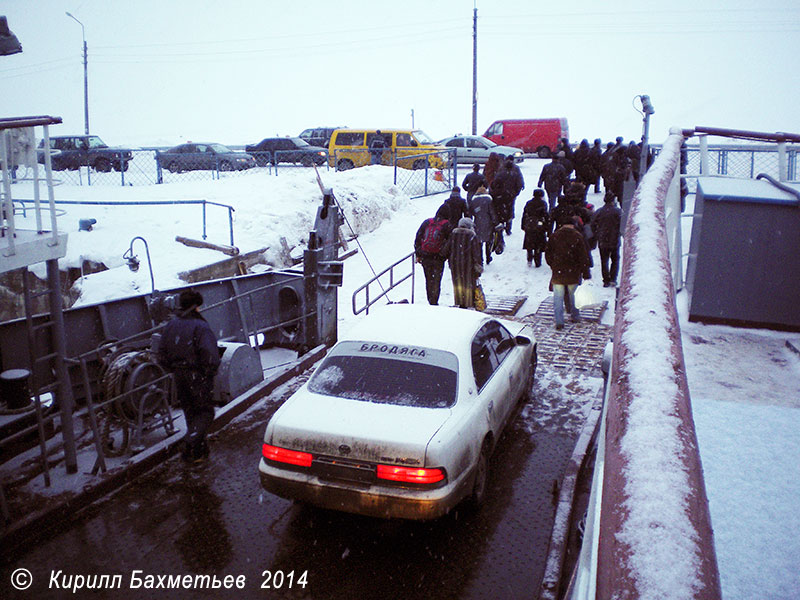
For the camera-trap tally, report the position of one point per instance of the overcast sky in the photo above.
(235, 71)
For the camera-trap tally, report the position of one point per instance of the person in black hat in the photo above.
(188, 349)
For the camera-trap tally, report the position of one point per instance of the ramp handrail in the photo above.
(385, 290)
(650, 442)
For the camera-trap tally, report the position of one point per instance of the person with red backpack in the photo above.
(430, 246)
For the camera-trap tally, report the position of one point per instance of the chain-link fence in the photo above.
(746, 161)
(417, 174)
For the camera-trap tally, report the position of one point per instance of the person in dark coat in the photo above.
(457, 207)
(616, 172)
(563, 213)
(490, 168)
(554, 178)
(569, 260)
(473, 181)
(605, 159)
(376, 148)
(188, 349)
(535, 224)
(606, 227)
(575, 193)
(634, 155)
(583, 167)
(506, 186)
(596, 164)
(482, 211)
(430, 247)
(466, 263)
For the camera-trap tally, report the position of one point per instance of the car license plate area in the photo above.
(338, 469)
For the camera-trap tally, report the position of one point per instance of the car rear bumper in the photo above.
(373, 501)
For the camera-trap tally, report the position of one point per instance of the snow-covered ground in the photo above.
(745, 384)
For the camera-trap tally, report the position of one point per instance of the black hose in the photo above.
(781, 186)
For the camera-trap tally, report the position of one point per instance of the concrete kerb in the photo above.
(33, 527)
(566, 498)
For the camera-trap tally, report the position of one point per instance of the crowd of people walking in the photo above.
(562, 228)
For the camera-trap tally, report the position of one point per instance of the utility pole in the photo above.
(85, 75)
(475, 69)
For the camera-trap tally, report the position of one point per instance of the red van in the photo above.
(538, 136)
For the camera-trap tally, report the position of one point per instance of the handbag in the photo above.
(479, 297)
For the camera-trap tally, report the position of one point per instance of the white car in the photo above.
(475, 149)
(400, 418)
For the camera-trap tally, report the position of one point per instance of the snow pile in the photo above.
(266, 208)
(665, 558)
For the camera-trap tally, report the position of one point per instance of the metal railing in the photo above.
(385, 289)
(620, 540)
(739, 160)
(204, 203)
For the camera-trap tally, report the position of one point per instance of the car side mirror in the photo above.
(507, 343)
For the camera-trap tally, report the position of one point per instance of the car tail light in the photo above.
(292, 457)
(409, 474)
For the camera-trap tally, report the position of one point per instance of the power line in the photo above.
(433, 29)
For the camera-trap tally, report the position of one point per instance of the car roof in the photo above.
(444, 327)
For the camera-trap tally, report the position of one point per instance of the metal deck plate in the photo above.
(579, 345)
(505, 306)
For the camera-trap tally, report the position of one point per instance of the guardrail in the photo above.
(202, 202)
(653, 504)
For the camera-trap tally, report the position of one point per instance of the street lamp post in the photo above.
(133, 261)
(85, 75)
(647, 110)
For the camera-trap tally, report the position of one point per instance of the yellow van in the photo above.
(351, 148)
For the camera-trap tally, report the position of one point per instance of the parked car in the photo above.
(471, 149)
(318, 136)
(287, 150)
(203, 157)
(540, 136)
(400, 418)
(75, 151)
(353, 148)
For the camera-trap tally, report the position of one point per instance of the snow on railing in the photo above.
(655, 539)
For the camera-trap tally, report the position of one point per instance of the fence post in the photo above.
(204, 219)
(122, 164)
(782, 170)
(703, 155)
(159, 172)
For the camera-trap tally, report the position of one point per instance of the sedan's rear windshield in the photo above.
(388, 374)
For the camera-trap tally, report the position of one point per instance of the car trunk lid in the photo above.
(356, 430)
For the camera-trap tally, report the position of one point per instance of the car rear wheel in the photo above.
(102, 165)
(344, 165)
(543, 152)
(480, 486)
(419, 164)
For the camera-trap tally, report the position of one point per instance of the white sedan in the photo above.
(400, 418)
(475, 149)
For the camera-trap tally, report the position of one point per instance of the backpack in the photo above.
(434, 238)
